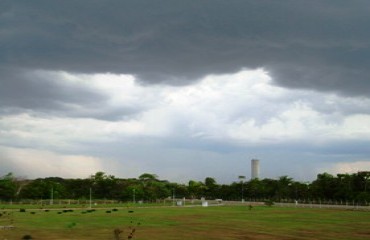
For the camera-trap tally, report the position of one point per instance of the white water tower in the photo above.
(255, 168)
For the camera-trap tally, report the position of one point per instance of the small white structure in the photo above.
(205, 204)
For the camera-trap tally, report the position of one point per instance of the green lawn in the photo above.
(224, 222)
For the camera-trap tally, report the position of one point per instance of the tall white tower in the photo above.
(255, 168)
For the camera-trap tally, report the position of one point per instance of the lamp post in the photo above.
(366, 178)
(173, 197)
(52, 196)
(90, 197)
(133, 195)
(241, 178)
(295, 191)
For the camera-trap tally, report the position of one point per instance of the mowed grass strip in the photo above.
(224, 222)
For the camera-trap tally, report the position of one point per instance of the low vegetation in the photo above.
(198, 223)
(57, 208)
(343, 188)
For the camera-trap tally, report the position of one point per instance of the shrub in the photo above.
(117, 233)
(27, 237)
(71, 225)
(22, 210)
(269, 203)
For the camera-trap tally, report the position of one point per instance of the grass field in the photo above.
(222, 222)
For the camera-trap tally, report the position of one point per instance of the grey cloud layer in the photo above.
(50, 93)
(320, 45)
(51, 111)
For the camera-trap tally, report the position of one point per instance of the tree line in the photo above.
(147, 187)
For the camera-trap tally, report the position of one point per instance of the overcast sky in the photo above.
(184, 89)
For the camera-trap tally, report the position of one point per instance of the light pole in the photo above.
(366, 178)
(295, 191)
(173, 197)
(52, 196)
(90, 198)
(133, 196)
(241, 178)
(295, 188)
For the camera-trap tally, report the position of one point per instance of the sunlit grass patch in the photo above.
(228, 222)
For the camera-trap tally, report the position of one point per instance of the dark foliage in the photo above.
(148, 188)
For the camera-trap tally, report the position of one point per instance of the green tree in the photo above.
(324, 186)
(8, 187)
(36, 189)
(283, 186)
(132, 191)
(104, 186)
(269, 188)
(211, 188)
(77, 188)
(196, 189)
(154, 188)
(148, 177)
(254, 189)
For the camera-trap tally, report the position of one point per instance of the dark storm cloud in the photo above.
(46, 92)
(30, 90)
(320, 45)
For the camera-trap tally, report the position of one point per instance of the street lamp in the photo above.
(90, 198)
(52, 196)
(241, 178)
(133, 195)
(173, 197)
(366, 178)
(295, 190)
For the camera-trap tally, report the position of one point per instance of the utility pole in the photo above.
(173, 197)
(133, 196)
(90, 198)
(52, 196)
(241, 178)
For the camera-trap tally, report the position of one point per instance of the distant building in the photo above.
(255, 168)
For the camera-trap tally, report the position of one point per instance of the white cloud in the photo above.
(347, 167)
(39, 163)
(356, 127)
(244, 108)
